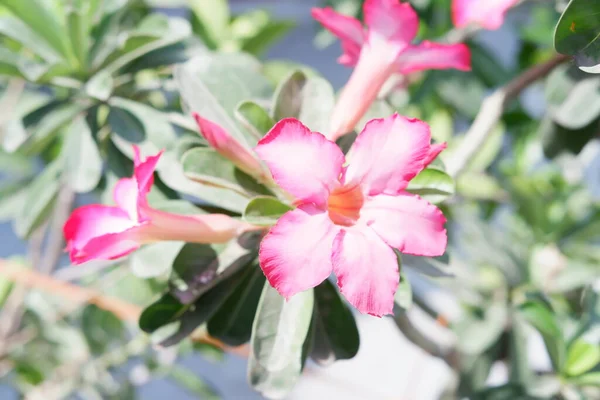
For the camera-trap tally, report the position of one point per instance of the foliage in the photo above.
(84, 80)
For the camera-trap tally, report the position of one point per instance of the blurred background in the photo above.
(516, 300)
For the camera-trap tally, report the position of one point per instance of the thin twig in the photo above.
(491, 111)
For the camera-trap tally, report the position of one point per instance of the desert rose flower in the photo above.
(348, 218)
(488, 14)
(377, 52)
(108, 232)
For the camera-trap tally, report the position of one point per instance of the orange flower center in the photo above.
(344, 205)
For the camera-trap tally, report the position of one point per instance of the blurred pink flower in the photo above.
(108, 232)
(488, 14)
(377, 52)
(348, 218)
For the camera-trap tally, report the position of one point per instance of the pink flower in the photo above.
(379, 51)
(488, 14)
(108, 232)
(228, 147)
(348, 218)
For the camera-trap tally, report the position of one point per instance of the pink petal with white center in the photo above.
(488, 14)
(296, 253)
(228, 146)
(408, 223)
(388, 154)
(429, 55)
(367, 270)
(391, 24)
(303, 163)
(125, 195)
(349, 30)
(91, 222)
(435, 151)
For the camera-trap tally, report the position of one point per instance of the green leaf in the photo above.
(581, 106)
(545, 322)
(557, 139)
(190, 380)
(212, 20)
(404, 296)
(101, 328)
(266, 36)
(310, 100)
(589, 379)
(232, 323)
(265, 211)
(83, 164)
(199, 267)
(160, 313)
(100, 86)
(582, 357)
(175, 30)
(154, 259)
(519, 368)
(42, 22)
(577, 32)
(78, 27)
(205, 165)
(433, 185)
(255, 118)
(487, 67)
(200, 83)
(479, 185)
(204, 308)
(336, 334)
(126, 125)
(39, 201)
(278, 333)
(478, 334)
(17, 30)
(278, 70)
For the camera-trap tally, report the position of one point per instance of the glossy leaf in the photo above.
(160, 313)
(255, 118)
(264, 211)
(232, 323)
(577, 32)
(336, 334)
(278, 334)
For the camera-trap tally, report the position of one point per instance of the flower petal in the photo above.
(367, 270)
(303, 163)
(429, 55)
(125, 195)
(143, 171)
(108, 247)
(229, 147)
(388, 154)
(488, 14)
(94, 221)
(434, 151)
(408, 223)
(390, 23)
(349, 30)
(296, 253)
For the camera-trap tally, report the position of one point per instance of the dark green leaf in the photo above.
(160, 313)
(126, 125)
(578, 30)
(265, 211)
(199, 267)
(232, 323)
(336, 334)
(278, 334)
